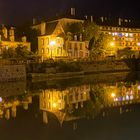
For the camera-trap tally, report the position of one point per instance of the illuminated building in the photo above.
(125, 33)
(8, 39)
(54, 31)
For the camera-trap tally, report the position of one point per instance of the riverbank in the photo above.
(72, 70)
(37, 77)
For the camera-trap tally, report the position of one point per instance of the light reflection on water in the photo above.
(70, 105)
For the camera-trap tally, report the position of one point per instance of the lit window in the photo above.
(131, 35)
(126, 34)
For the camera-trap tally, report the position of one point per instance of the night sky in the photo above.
(18, 11)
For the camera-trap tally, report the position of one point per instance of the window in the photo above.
(42, 50)
(42, 41)
(47, 41)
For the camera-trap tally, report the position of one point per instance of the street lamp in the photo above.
(52, 43)
(112, 44)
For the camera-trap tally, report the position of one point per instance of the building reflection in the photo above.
(71, 103)
(8, 106)
(87, 100)
(12, 95)
(58, 102)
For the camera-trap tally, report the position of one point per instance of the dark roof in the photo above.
(50, 27)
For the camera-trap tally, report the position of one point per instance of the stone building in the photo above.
(52, 42)
(8, 39)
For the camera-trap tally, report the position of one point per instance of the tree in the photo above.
(73, 29)
(19, 52)
(98, 42)
(8, 53)
(22, 52)
(31, 35)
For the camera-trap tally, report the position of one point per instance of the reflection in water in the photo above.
(13, 95)
(59, 102)
(69, 103)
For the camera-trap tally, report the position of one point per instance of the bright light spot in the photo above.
(113, 94)
(116, 33)
(114, 38)
(52, 43)
(139, 87)
(112, 43)
(54, 105)
(131, 97)
(126, 34)
(0, 99)
(138, 43)
(127, 97)
(131, 35)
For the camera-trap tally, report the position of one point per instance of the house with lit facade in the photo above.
(9, 40)
(52, 44)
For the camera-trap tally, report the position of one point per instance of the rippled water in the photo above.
(94, 107)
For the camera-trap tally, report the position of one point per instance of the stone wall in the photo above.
(105, 67)
(12, 73)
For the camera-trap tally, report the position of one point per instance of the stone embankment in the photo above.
(112, 66)
(88, 68)
(12, 73)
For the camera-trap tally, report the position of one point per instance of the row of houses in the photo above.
(51, 43)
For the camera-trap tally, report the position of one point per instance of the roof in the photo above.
(50, 27)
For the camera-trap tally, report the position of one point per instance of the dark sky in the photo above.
(18, 11)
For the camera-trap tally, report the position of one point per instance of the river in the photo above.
(93, 107)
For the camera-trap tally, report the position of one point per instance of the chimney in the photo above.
(91, 18)
(43, 28)
(24, 39)
(4, 31)
(86, 17)
(72, 10)
(102, 19)
(11, 34)
(120, 21)
(34, 21)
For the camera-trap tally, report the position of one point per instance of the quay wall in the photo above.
(12, 73)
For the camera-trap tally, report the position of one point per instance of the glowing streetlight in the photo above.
(113, 94)
(112, 44)
(54, 105)
(139, 87)
(52, 43)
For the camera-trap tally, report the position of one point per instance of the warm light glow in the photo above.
(138, 43)
(113, 94)
(52, 43)
(54, 105)
(112, 43)
(0, 99)
(139, 87)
